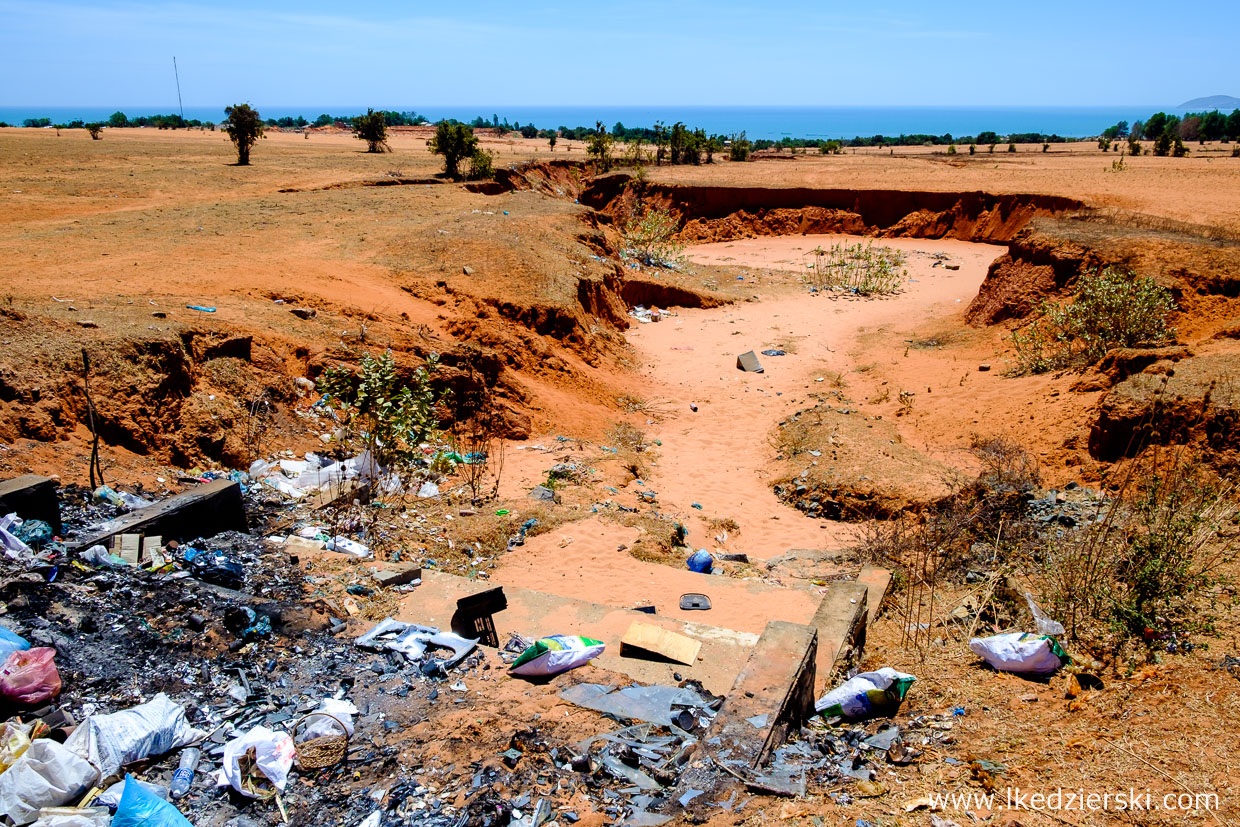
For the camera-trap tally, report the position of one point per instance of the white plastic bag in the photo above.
(319, 726)
(73, 817)
(1020, 652)
(869, 693)
(46, 775)
(273, 753)
(153, 728)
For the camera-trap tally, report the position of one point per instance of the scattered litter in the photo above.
(700, 561)
(200, 308)
(257, 763)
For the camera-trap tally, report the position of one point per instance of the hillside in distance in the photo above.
(1212, 102)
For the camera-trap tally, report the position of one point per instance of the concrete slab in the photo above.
(536, 614)
(877, 583)
(840, 621)
(771, 697)
(202, 511)
(31, 498)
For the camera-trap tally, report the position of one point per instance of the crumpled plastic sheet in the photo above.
(46, 775)
(412, 640)
(654, 704)
(12, 546)
(109, 742)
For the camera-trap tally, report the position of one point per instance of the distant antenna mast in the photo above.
(177, 75)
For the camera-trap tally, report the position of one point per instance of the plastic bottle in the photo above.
(184, 776)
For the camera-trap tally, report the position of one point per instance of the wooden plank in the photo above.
(202, 511)
(646, 639)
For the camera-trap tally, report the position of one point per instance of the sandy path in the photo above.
(719, 457)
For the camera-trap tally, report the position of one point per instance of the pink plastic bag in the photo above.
(30, 677)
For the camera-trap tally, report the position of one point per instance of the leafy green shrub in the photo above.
(95, 130)
(481, 167)
(951, 149)
(372, 128)
(1011, 146)
(1134, 146)
(383, 415)
(1111, 309)
(1179, 150)
(1162, 145)
(649, 239)
(244, 127)
(972, 149)
(455, 142)
(862, 269)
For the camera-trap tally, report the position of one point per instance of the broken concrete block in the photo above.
(772, 696)
(749, 363)
(31, 498)
(391, 577)
(646, 639)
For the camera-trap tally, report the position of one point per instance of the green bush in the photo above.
(383, 415)
(95, 130)
(649, 239)
(598, 147)
(740, 148)
(481, 167)
(1111, 309)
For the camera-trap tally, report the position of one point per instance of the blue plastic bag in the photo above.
(140, 807)
(701, 561)
(11, 642)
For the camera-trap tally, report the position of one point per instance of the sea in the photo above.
(758, 122)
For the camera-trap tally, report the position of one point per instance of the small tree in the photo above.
(1179, 150)
(455, 142)
(1162, 145)
(972, 149)
(1134, 146)
(244, 127)
(372, 128)
(1011, 146)
(551, 141)
(740, 149)
(598, 146)
(951, 149)
(95, 130)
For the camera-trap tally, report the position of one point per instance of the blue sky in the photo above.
(391, 54)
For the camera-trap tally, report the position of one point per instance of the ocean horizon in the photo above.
(759, 122)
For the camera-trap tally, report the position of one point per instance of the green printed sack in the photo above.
(556, 654)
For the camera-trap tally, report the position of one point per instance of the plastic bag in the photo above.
(867, 694)
(47, 775)
(273, 757)
(701, 562)
(100, 556)
(153, 728)
(319, 726)
(1021, 652)
(12, 546)
(29, 677)
(140, 807)
(556, 654)
(73, 817)
(11, 642)
(111, 797)
(14, 740)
